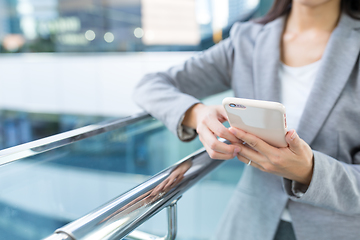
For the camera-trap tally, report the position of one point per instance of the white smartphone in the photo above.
(264, 119)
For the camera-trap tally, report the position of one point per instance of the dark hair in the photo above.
(282, 7)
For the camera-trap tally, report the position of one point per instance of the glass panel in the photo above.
(44, 192)
(18, 127)
(117, 25)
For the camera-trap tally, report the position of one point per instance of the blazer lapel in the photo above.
(336, 66)
(266, 62)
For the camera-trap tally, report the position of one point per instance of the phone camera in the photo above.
(233, 105)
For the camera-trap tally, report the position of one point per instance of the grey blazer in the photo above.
(248, 63)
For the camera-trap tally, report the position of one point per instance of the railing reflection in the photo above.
(118, 218)
(150, 197)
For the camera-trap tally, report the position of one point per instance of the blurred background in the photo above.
(118, 25)
(65, 64)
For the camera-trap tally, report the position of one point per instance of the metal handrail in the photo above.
(118, 218)
(45, 144)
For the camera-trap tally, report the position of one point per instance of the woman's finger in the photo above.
(222, 115)
(295, 143)
(246, 161)
(253, 141)
(217, 155)
(210, 142)
(220, 130)
(252, 154)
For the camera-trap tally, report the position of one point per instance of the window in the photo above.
(117, 25)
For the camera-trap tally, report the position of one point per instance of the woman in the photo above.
(305, 54)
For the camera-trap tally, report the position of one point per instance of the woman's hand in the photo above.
(207, 120)
(294, 162)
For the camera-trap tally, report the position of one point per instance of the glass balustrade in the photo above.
(46, 191)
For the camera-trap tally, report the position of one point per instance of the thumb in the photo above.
(222, 113)
(294, 141)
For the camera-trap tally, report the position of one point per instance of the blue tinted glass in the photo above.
(42, 193)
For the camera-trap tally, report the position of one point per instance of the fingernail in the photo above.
(232, 130)
(293, 135)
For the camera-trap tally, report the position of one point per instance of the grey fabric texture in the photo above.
(247, 62)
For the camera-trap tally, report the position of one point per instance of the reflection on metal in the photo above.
(138, 235)
(172, 227)
(118, 218)
(39, 146)
(172, 221)
(61, 236)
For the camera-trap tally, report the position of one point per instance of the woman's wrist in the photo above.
(190, 119)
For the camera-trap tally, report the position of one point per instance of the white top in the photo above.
(296, 85)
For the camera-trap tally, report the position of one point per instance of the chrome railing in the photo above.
(119, 218)
(56, 141)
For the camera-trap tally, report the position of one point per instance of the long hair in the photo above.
(282, 7)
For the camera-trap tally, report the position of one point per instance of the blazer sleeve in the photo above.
(335, 185)
(168, 95)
